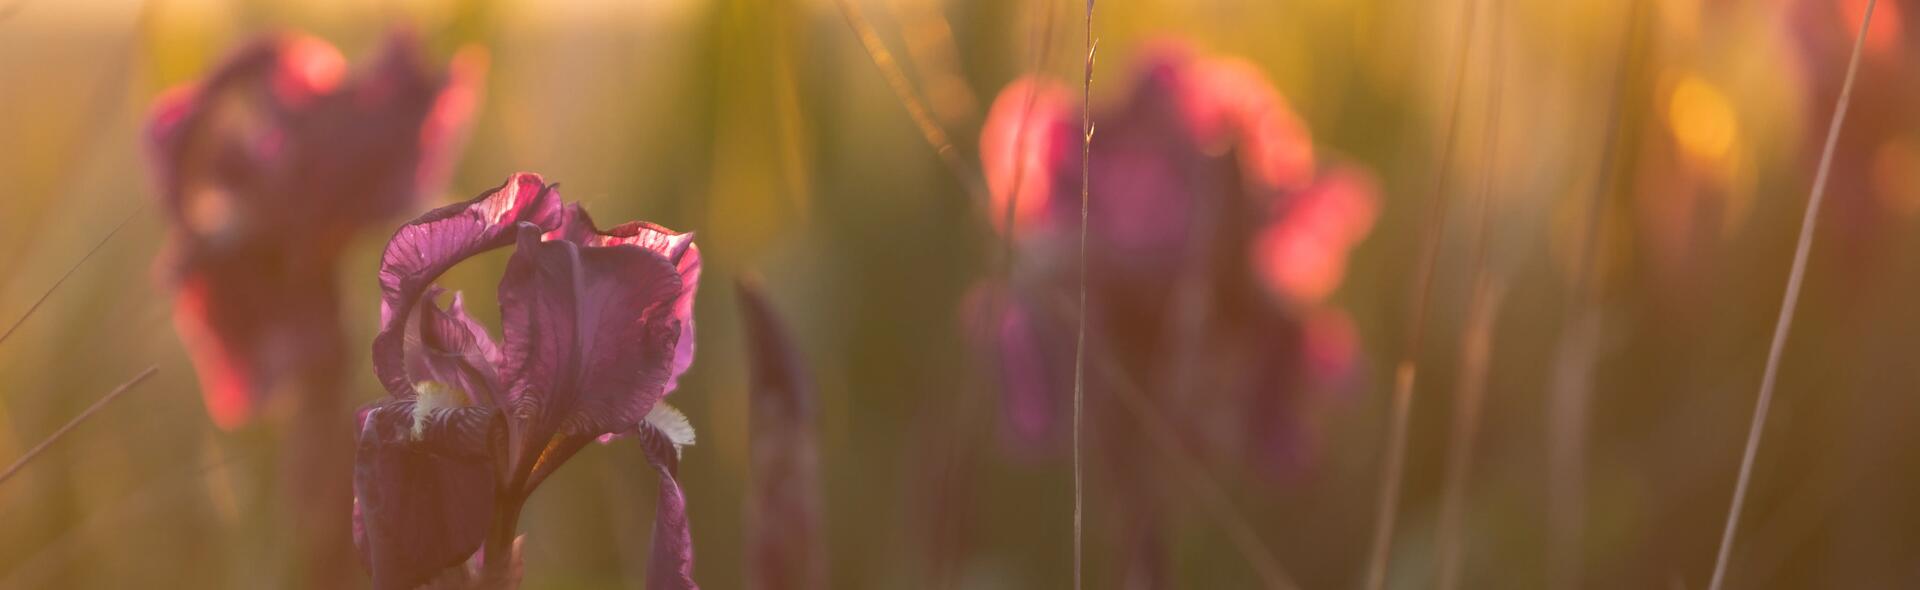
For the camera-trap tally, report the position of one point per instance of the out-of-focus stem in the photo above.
(1407, 372)
(1476, 339)
(317, 471)
(1572, 380)
(1476, 354)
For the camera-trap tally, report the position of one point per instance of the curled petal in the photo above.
(426, 247)
(783, 508)
(590, 336)
(423, 489)
(676, 247)
(1022, 148)
(451, 347)
(670, 565)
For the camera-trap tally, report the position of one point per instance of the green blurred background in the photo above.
(764, 126)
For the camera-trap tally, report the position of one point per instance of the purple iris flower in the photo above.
(266, 168)
(597, 325)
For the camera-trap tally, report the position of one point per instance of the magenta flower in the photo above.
(1214, 243)
(785, 550)
(597, 325)
(265, 169)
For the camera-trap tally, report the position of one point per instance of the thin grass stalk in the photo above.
(1080, 340)
(1406, 372)
(44, 295)
(903, 89)
(1791, 301)
(44, 444)
(1476, 339)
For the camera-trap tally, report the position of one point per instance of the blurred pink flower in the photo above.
(265, 169)
(597, 326)
(1214, 242)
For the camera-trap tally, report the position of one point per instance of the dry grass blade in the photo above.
(1787, 306)
(1405, 374)
(1080, 341)
(75, 422)
(910, 98)
(69, 273)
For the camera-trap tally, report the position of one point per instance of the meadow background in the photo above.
(764, 126)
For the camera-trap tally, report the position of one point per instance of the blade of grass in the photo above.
(1580, 327)
(26, 458)
(1476, 339)
(69, 273)
(1394, 467)
(1790, 301)
(910, 98)
(1080, 340)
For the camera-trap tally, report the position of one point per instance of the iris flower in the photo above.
(265, 169)
(1215, 237)
(1214, 242)
(597, 326)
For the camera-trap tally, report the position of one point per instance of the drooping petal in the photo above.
(783, 506)
(423, 489)
(426, 247)
(590, 336)
(670, 564)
